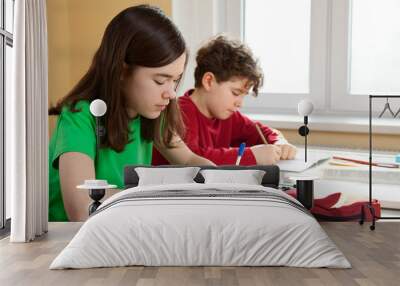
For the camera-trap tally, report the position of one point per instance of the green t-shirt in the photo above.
(75, 132)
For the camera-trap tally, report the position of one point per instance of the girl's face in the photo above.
(148, 91)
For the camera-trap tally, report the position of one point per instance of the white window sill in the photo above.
(331, 123)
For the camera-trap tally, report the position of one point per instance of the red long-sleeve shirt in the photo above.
(218, 140)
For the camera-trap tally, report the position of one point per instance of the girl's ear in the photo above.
(125, 71)
(208, 80)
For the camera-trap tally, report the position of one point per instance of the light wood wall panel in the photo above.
(384, 142)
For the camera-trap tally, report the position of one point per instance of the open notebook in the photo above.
(298, 164)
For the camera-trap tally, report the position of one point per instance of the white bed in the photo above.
(201, 224)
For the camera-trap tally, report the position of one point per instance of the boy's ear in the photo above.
(208, 80)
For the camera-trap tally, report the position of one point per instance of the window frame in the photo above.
(340, 75)
(329, 65)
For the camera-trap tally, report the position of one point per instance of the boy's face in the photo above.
(225, 98)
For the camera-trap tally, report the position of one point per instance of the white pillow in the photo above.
(249, 177)
(162, 176)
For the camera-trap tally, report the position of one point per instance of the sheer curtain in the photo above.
(26, 117)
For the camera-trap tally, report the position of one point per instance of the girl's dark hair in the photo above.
(138, 36)
(227, 58)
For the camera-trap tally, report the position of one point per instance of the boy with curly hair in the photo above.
(226, 72)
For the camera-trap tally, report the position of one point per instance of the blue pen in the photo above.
(240, 153)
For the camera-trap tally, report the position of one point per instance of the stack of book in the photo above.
(356, 168)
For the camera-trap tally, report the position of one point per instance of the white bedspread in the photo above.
(182, 230)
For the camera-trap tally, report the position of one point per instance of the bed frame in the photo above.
(131, 178)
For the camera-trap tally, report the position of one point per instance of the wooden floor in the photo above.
(374, 255)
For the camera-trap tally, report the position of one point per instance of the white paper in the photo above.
(298, 164)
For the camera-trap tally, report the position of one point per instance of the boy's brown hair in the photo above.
(227, 58)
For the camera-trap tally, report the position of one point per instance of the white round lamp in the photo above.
(305, 108)
(98, 108)
(97, 188)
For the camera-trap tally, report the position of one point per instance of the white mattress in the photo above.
(183, 230)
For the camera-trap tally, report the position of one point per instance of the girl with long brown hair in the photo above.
(135, 71)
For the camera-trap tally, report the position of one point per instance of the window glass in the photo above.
(9, 15)
(374, 47)
(278, 32)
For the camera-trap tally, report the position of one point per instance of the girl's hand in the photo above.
(74, 168)
(180, 154)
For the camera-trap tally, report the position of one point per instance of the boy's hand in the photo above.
(288, 151)
(266, 154)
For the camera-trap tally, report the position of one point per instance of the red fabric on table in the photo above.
(323, 208)
(326, 202)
